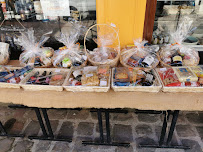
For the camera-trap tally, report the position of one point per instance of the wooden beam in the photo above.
(149, 19)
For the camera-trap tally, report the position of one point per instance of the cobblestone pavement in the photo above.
(82, 125)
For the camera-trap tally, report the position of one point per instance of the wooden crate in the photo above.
(85, 88)
(33, 87)
(156, 88)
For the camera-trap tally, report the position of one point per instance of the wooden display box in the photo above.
(156, 88)
(85, 88)
(179, 89)
(10, 85)
(35, 87)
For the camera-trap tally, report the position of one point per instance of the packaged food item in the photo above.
(177, 54)
(139, 55)
(107, 51)
(124, 76)
(14, 76)
(90, 76)
(54, 77)
(4, 53)
(71, 55)
(197, 70)
(184, 74)
(33, 54)
(169, 77)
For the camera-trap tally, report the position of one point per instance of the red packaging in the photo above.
(169, 77)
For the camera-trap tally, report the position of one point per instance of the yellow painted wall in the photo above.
(127, 15)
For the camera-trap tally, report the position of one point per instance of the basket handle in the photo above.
(94, 26)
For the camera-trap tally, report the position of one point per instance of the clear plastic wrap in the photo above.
(90, 76)
(177, 54)
(140, 55)
(178, 77)
(124, 76)
(108, 45)
(71, 54)
(4, 53)
(33, 54)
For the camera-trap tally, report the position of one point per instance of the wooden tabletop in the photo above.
(111, 99)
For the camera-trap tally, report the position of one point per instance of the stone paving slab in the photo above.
(82, 125)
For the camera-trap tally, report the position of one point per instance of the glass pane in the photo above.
(167, 17)
(15, 15)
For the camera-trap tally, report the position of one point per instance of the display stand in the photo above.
(4, 133)
(47, 133)
(108, 141)
(162, 144)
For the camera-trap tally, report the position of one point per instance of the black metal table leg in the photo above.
(6, 134)
(170, 134)
(46, 136)
(108, 141)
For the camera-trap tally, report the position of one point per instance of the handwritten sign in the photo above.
(55, 7)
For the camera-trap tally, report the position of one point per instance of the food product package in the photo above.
(33, 53)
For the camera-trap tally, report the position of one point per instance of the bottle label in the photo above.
(149, 77)
(177, 58)
(149, 60)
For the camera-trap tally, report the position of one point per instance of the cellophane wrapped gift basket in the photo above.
(71, 55)
(140, 55)
(108, 45)
(33, 53)
(177, 54)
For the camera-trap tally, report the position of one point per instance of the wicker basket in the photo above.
(179, 89)
(10, 85)
(155, 89)
(32, 87)
(125, 65)
(85, 88)
(163, 64)
(44, 66)
(111, 63)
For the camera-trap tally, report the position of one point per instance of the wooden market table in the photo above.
(104, 102)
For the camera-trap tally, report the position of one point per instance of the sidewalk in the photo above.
(82, 125)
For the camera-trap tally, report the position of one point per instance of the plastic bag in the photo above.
(33, 54)
(177, 54)
(108, 45)
(4, 53)
(71, 54)
(140, 55)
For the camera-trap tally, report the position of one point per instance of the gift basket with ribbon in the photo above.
(176, 54)
(139, 55)
(108, 45)
(34, 54)
(71, 55)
